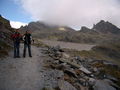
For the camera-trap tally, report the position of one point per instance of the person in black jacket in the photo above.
(27, 38)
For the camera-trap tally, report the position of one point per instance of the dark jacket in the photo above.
(27, 38)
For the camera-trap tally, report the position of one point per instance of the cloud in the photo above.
(74, 13)
(16, 24)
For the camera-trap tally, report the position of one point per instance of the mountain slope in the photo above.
(5, 33)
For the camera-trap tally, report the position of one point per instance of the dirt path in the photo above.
(22, 73)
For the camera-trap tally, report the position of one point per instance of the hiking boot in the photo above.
(18, 56)
(30, 56)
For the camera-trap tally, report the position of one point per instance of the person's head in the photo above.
(17, 30)
(28, 32)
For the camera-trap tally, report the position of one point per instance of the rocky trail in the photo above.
(22, 73)
(53, 69)
(25, 73)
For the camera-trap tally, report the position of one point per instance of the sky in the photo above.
(12, 11)
(73, 13)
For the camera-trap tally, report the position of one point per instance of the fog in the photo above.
(73, 13)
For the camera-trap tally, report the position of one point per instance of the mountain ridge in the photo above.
(97, 34)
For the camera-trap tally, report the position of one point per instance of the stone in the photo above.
(102, 85)
(82, 81)
(64, 85)
(70, 63)
(70, 72)
(65, 55)
(91, 81)
(56, 62)
(95, 69)
(80, 87)
(78, 72)
(84, 70)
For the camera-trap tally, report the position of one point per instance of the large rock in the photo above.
(64, 85)
(84, 70)
(102, 85)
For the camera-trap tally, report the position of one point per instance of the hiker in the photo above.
(16, 37)
(27, 38)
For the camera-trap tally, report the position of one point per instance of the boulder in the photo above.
(64, 85)
(84, 70)
(102, 85)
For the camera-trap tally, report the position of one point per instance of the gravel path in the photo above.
(22, 73)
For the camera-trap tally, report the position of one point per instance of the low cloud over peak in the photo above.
(16, 24)
(74, 13)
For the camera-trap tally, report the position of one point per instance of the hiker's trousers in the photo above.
(29, 49)
(16, 49)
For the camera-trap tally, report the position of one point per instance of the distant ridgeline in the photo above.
(5, 33)
(100, 33)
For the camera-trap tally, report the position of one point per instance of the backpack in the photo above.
(16, 37)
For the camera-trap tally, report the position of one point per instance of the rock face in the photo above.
(5, 35)
(87, 30)
(5, 22)
(5, 29)
(106, 27)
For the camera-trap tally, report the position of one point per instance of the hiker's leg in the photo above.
(29, 50)
(24, 51)
(15, 50)
(18, 50)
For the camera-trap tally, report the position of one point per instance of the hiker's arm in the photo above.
(31, 38)
(23, 38)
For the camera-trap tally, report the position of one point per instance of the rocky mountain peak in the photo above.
(106, 27)
(43, 27)
(4, 22)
